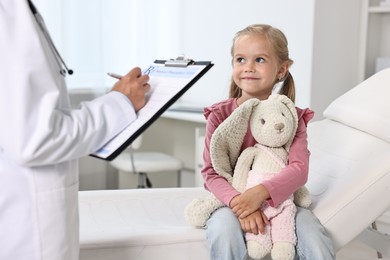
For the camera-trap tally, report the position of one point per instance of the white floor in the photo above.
(357, 250)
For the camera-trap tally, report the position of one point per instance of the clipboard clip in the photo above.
(180, 61)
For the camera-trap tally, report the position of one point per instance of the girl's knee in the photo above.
(305, 220)
(313, 240)
(223, 222)
(223, 235)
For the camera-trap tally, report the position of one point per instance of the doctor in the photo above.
(41, 138)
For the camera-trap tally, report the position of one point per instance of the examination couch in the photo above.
(349, 181)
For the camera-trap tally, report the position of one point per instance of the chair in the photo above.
(349, 180)
(143, 163)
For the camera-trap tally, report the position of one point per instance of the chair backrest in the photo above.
(136, 144)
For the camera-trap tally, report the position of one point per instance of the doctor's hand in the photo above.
(134, 85)
(248, 202)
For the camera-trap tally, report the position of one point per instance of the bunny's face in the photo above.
(272, 123)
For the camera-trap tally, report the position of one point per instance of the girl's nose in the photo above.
(250, 67)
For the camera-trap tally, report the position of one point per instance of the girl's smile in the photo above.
(249, 78)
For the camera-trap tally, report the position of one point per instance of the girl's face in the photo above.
(255, 67)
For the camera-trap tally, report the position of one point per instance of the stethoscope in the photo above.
(60, 62)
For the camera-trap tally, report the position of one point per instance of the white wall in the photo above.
(208, 29)
(336, 46)
(100, 36)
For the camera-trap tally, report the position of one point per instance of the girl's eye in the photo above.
(240, 60)
(260, 60)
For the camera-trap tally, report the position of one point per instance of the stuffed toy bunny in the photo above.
(273, 123)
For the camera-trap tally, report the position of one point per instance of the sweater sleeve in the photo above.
(295, 174)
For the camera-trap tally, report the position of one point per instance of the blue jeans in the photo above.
(226, 239)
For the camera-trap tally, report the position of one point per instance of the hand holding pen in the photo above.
(134, 85)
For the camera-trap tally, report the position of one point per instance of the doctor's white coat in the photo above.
(41, 139)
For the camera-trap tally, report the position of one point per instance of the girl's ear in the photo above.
(282, 73)
(227, 139)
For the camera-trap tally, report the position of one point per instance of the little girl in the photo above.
(260, 60)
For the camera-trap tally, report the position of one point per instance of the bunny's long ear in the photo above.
(291, 106)
(227, 139)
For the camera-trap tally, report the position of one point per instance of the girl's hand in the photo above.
(254, 223)
(248, 202)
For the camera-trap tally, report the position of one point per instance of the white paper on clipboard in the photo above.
(167, 83)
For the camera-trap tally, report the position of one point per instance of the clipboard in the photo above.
(169, 80)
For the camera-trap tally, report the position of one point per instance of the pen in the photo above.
(114, 75)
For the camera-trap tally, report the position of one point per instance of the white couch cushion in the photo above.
(139, 224)
(366, 106)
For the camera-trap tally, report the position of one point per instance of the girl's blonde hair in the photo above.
(278, 42)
